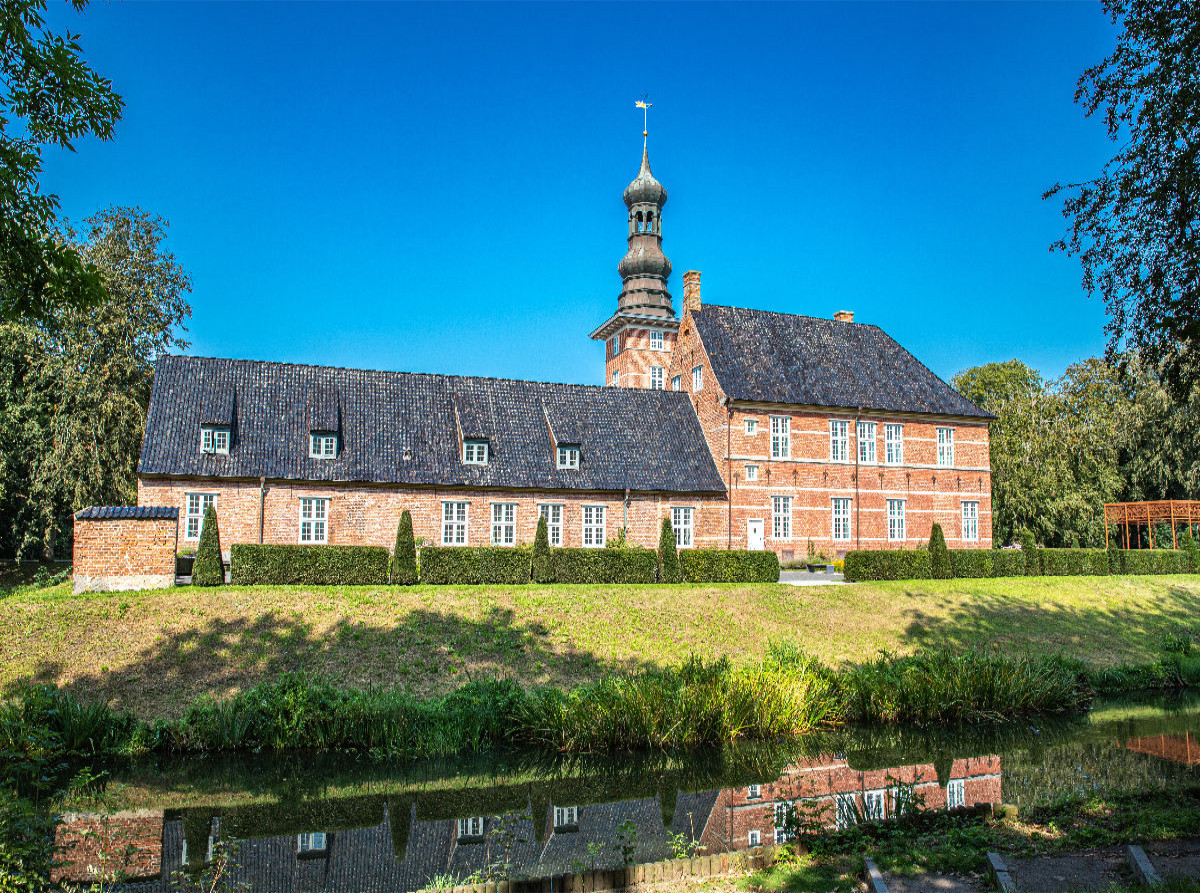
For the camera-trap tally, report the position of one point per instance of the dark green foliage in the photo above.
(1154, 561)
(1074, 562)
(939, 556)
(729, 566)
(1033, 567)
(887, 564)
(26, 844)
(459, 565)
(1008, 563)
(1189, 547)
(208, 570)
(972, 563)
(543, 561)
(607, 565)
(270, 565)
(1114, 558)
(404, 558)
(669, 569)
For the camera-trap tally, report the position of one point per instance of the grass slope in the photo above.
(154, 652)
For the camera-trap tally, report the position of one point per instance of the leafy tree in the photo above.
(669, 570)
(49, 98)
(207, 569)
(939, 555)
(543, 563)
(404, 557)
(1136, 226)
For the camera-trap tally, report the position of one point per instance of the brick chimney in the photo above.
(691, 290)
(840, 316)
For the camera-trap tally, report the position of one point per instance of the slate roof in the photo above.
(767, 357)
(403, 428)
(126, 512)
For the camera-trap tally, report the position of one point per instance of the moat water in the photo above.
(341, 823)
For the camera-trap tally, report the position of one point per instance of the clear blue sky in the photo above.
(438, 187)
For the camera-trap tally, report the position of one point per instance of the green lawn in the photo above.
(153, 652)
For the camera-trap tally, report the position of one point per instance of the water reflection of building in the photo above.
(385, 843)
(1181, 747)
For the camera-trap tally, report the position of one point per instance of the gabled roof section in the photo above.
(400, 428)
(766, 357)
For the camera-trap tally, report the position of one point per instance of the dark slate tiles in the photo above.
(770, 357)
(125, 512)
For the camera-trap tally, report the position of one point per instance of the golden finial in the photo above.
(644, 104)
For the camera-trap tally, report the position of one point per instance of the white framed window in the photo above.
(314, 520)
(901, 800)
(656, 378)
(568, 457)
(698, 378)
(753, 792)
(454, 523)
(945, 455)
(841, 519)
(781, 517)
(593, 526)
(681, 525)
(214, 440)
(781, 818)
(656, 340)
(197, 504)
(322, 446)
(475, 452)
(471, 827)
(566, 816)
(839, 440)
(893, 444)
(614, 345)
(554, 523)
(895, 509)
(752, 472)
(970, 521)
(504, 523)
(616, 378)
(751, 427)
(873, 805)
(781, 437)
(956, 793)
(754, 838)
(676, 383)
(311, 842)
(844, 811)
(866, 442)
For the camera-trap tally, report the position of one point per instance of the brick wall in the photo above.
(123, 553)
(635, 359)
(128, 844)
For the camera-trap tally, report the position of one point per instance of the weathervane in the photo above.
(644, 104)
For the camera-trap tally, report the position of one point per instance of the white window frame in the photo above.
(956, 793)
(677, 383)
(865, 435)
(456, 516)
(781, 810)
(843, 811)
(566, 816)
(214, 440)
(970, 521)
(893, 443)
(471, 826)
(194, 507)
(781, 437)
(753, 838)
(553, 513)
(656, 378)
(593, 525)
(568, 457)
(781, 517)
(875, 805)
(614, 345)
(839, 440)
(475, 452)
(656, 340)
(751, 472)
(897, 525)
(754, 792)
(322, 446)
(314, 520)
(751, 427)
(616, 378)
(682, 526)
(312, 842)
(840, 510)
(945, 447)
(504, 523)
(697, 378)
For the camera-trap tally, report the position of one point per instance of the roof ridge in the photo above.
(784, 313)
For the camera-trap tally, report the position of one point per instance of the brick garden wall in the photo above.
(128, 844)
(123, 553)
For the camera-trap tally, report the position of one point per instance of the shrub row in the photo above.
(1073, 562)
(605, 565)
(729, 566)
(256, 564)
(887, 564)
(474, 564)
(970, 563)
(1154, 561)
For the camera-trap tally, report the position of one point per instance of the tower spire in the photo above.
(645, 269)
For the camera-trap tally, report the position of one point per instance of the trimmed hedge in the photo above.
(1073, 562)
(252, 564)
(207, 569)
(1008, 563)
(1153, 561)
(605, 565)
(456, 565)
(887, 564)
(729, 566)
(1033, 567)
(972, 563)
(939, 556)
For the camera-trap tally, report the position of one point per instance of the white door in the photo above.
(754, 534)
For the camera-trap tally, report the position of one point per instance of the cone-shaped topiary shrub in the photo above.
(543, 564)
(207, 569)
(939, 555)
(1189, 547)
(1033, 564)
(404, 558)
(668, 557)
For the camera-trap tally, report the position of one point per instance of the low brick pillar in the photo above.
(124, 547)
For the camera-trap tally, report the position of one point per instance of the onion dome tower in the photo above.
(645, 269)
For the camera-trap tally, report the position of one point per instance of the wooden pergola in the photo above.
(1131, 516)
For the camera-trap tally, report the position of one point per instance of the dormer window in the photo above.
(323, 446)
(214, 440)
(475, 452)
(568, 457)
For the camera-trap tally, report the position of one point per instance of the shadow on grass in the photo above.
(1130, 631)
(426, 653)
